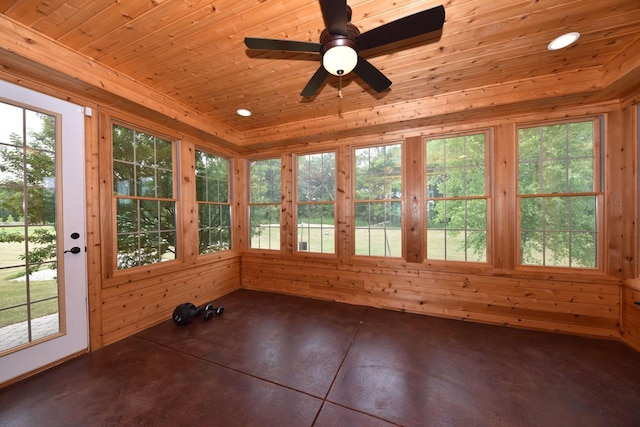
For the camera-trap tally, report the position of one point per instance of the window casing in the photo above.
(144, 197)
(378, 201)
(264, 203)
(315, 202)
(559, 194)
(214, 207)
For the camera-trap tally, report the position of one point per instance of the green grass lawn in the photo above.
(13, 292)
(368, 241)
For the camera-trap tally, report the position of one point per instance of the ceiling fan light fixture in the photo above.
(563, 41)
(340, 60)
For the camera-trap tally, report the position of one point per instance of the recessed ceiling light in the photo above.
(243, 112)
(563, 41)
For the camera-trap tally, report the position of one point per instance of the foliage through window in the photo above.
(378, 201)
(28, 239)
(559, 184)
(457, 201)
(214, 209)
(264, 204)
(316, 202)
(145, 197)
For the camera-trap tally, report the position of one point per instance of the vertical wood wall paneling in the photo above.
(240, 212)
(414, 204)
(287, 217)
(619, 195)
(343, 200)
(93, 241)
(629, 155)
(631, 288)
(107, 218)
(503, 254)
(188, 214)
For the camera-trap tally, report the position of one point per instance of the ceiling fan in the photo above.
(341, 43)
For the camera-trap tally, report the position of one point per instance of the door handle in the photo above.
(73, 250)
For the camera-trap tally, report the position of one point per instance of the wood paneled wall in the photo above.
(631, 288)
(573, 306)
(631, 314)
(124, 302)
(500, 292)
(595, 304)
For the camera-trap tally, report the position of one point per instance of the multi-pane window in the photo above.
(559, 194)
(316, 202)
(378, 201)
(264, 204)
(144, 197)
(214, 208)
(456, 198)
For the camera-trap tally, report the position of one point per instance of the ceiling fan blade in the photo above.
(404, 28)
(371, 75)
(316, 81)
(335, 16)
(283, 45)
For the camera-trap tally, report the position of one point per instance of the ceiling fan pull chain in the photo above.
(340, 90)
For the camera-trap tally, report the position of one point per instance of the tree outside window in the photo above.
(28, 239)
(457, 198)
(316, 202)
(264, 203)
(214, 209)
(144, 196)
(559, 198)
(378, 201)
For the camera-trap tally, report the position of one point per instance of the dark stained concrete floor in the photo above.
(276, 360)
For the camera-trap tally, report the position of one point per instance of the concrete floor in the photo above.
(275, 360)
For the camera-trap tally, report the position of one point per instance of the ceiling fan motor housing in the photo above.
(340, 53)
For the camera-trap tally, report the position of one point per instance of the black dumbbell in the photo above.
(208, 311)
(184, 313)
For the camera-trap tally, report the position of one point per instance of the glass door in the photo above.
(42, 252)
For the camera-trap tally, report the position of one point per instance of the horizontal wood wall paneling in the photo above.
(428, 108)
(569, 307)
(144, 306)
(631, 317)
(136, 293)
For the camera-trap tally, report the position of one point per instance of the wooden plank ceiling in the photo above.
(491, 54)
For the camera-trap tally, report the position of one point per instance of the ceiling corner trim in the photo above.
(626, 62)
(26, 43)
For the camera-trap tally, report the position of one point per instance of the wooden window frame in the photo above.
(229, 202)
(297, 203)
(251, 204)
(400, 200)
(487, 196)
(111, 275)
(597, 193)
